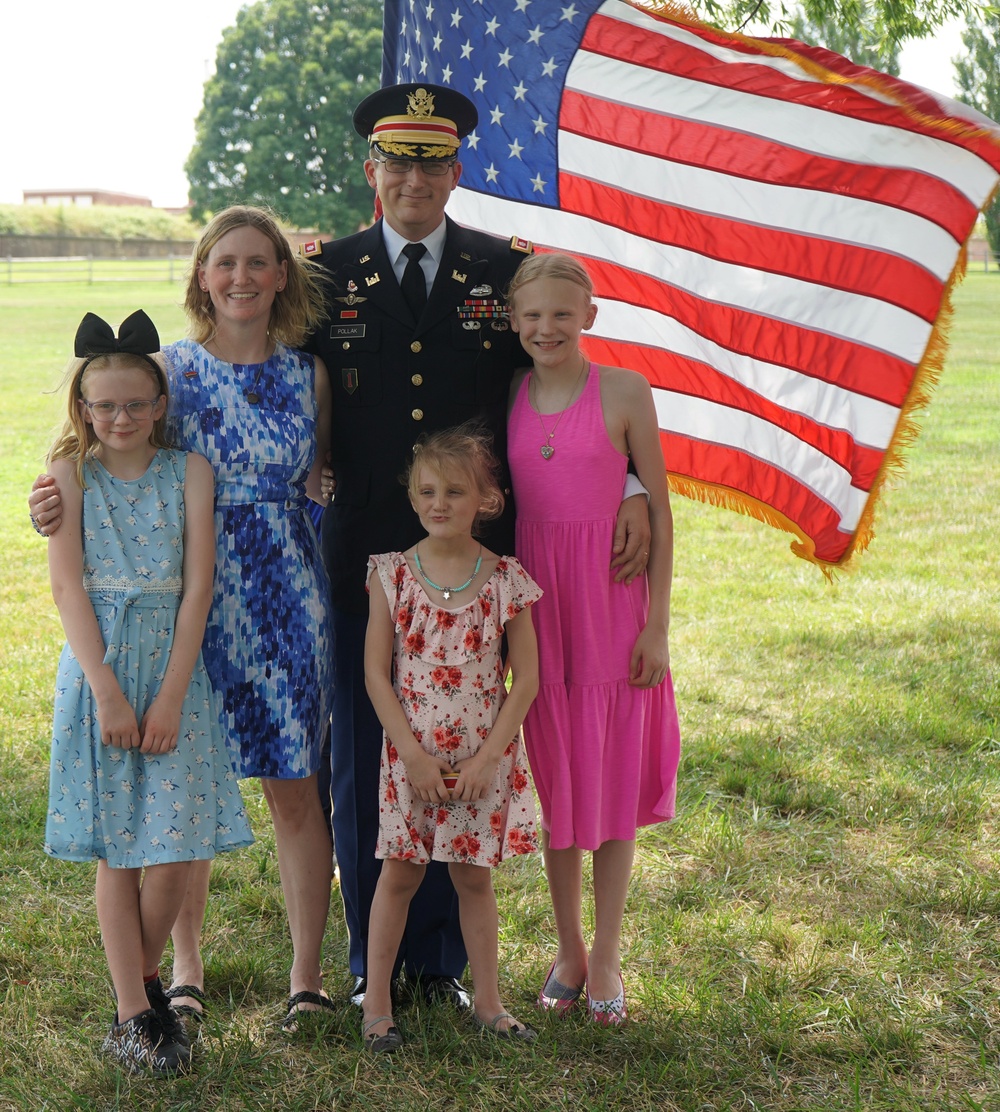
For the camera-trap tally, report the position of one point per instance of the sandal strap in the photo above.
(503, 1015)
(186, 990)
(307, 997)
(378, 1019)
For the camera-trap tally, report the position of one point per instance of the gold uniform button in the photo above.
(347, 345)
(417, 414)
(416, 347)
(487, 344)
(417, 380)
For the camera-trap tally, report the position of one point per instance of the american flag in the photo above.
(772, 231)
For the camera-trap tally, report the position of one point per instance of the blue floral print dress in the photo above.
(130, 808)
(269, 642)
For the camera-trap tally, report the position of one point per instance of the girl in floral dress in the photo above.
(453, 786)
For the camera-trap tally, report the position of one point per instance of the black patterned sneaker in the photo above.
(170, 1021)
(140, 1043)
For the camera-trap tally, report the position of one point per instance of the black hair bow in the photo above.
(137, 335)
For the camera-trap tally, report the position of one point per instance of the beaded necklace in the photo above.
(447, 591)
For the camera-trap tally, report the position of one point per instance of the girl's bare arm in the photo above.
(161, 721)
(651, 655)
(476, 773)
(422, 770)
(116, 718)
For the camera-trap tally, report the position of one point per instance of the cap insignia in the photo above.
(420, 104)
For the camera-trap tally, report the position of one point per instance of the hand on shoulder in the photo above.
(61, 474)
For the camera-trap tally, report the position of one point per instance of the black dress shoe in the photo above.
(361, 987)
(445, 989)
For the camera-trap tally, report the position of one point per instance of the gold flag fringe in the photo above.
(931, 365)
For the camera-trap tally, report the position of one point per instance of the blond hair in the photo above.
(467, 449)
(553, 264)
(77, 441)
(297, 309)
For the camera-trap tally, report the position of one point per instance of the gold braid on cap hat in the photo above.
(418, 134)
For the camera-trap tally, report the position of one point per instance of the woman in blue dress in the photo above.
(259, 411)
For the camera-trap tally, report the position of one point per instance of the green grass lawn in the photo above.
(818, 929)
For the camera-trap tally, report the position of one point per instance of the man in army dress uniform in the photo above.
(412, 345)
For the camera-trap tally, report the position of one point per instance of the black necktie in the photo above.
(414, 285)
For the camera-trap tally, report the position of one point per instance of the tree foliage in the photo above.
(856, 40)
(97, 221)
(977, 75)
(887, 22)
(275, 125)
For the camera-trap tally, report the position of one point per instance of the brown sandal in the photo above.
(294, 1013)
(381, 1044)
(188, 1011)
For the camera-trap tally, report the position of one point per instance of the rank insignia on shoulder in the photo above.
(525, 246)
(311, 249)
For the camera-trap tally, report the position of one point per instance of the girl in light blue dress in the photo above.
(141, 778)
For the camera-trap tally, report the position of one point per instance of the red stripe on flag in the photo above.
(770, 250)
(744, 476)
(743, 155)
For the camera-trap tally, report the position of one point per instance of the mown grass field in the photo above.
(818, 930)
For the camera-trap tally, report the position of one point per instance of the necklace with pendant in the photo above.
(547, 449)
(447, 592)
(249, 392)
(251, 395)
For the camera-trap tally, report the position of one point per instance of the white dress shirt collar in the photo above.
(394, 244)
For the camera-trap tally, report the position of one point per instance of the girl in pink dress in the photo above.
(453, 784)
(602, 736)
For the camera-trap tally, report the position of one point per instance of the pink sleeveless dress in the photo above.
(603, 754)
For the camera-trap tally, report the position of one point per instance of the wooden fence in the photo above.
(90, 269)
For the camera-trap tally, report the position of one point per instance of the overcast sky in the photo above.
(102, 94)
